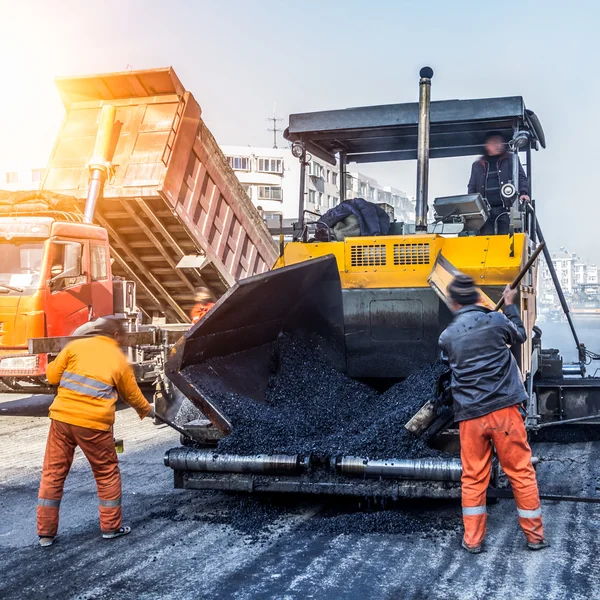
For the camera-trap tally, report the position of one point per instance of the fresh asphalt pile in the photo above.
(311, 408)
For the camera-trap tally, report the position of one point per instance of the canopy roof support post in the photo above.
(302, 186)
(421, 207)
(342, 176)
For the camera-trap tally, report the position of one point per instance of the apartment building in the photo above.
(271, 178)
(16, 177)
(577, 278)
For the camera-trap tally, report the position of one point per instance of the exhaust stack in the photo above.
(421, 207)
(100, 164)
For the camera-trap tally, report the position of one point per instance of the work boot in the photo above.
(46, 541)
(111, 535)
(538, 545)
(473, 550)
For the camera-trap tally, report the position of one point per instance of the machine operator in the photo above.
(488, 174)
(488, 392)
(90, 373)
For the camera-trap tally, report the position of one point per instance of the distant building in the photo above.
(361, 186)
(17, 177)
(578, 279)
(271, 178)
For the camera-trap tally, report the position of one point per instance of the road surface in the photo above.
(213, 545)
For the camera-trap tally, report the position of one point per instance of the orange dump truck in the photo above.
(138, 208)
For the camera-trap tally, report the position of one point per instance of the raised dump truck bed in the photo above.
(171, 198)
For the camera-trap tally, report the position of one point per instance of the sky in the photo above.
(241, 59)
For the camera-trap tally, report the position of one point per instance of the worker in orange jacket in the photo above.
(204, 303)
(488, 392)
(90, 373)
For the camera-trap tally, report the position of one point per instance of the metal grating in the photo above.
(368, 256)
(411, 254)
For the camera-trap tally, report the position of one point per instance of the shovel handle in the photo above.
(522, 273)
(172, 426)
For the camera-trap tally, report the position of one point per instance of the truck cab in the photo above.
(55, 275)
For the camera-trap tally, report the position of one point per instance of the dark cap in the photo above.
(463, 291)
(107, 326)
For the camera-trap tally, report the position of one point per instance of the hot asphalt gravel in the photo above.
(311, 408)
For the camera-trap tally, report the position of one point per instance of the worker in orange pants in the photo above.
(90, 373)
(504, 429)
(99, 449)
(488, 393)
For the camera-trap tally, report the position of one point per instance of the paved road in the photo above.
(211, 545)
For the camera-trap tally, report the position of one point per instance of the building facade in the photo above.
(578, 279)
(16, 177)
(271, 178)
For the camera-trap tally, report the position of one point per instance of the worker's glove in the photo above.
(151, 414)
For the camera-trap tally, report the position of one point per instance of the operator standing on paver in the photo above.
(90, 373)
(488, 393)
(488, 174)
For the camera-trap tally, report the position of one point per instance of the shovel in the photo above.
(172, 425)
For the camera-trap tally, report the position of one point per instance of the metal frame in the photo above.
(380, 488)
(447, 128)
(389, 132)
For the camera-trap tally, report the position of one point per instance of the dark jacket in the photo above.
(485, 375)
(479, 171)
(372, 219)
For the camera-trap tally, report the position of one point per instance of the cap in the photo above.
(463, 291)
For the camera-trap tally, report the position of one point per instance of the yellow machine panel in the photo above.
(406, 261)
(393, 271)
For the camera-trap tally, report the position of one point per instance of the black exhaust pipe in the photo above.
(422, 207)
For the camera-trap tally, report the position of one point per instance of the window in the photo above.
(270, 192)
(315, 169)
(328, 176)
(66, 268)
(99, 262)
(20, 264)
(238, 163)
(12, 177)
(270, 165)
(36, 175)
(320, 199)
(248, 190)
(334, 176)
(312, 196)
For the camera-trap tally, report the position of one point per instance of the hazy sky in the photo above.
(239, 58)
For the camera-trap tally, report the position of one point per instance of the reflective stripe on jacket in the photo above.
(485, 374)
(90, 374)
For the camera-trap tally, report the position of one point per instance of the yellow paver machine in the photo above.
(376, 304)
